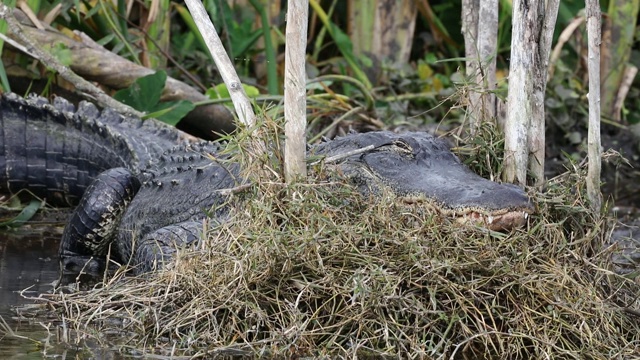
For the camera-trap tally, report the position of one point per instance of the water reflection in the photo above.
(28, 268)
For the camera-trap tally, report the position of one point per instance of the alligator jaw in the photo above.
(498, 220)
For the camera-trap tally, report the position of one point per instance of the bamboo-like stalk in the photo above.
(295, 76)
(240, 100)
(593, 139)
(533, 25)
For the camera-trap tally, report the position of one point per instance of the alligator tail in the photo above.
(54, 151)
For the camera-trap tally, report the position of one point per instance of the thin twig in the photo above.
(336, 158)
(16, 45)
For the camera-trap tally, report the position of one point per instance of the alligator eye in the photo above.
(402, 146)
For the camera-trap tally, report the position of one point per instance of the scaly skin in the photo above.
(55, 152)
(157, 192)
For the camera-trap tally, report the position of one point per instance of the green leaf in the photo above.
(171, 112)
(220, 91)
(25, 215)
(242, 37)
(62, 53)
(144, 94)
(107, 39)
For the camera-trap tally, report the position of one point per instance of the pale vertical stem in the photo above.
(295, 101)
(240, 100)
(533, 25)
(480, 51)
(519, 99)
(470, 33)
(487, 49)
(593, 140)
(537, 130)
(548, 27)
(536, 136)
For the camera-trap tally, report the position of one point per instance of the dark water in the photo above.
(626, 236)
(28, 268)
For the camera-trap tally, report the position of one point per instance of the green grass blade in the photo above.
(188, 20)
(25, 215)
(3, 30)
(342, 42)
(272, 70)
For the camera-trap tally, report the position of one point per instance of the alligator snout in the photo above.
(426, 169)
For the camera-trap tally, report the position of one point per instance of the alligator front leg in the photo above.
(95, 221)
(158, 248)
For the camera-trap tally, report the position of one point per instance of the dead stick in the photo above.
(48, 60)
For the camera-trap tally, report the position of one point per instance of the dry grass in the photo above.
(317, 270)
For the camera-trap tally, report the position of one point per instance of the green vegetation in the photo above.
(26, 212)
(162, 35)
(144, 95)
(315, 269)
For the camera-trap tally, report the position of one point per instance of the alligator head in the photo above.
(418, 167)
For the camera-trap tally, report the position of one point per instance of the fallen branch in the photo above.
(92, 61)
(48, 60)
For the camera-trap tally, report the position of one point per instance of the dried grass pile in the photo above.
(316, 269)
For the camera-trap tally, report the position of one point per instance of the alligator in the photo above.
(144, 190)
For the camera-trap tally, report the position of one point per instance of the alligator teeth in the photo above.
(490, 219)
(526, 215)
